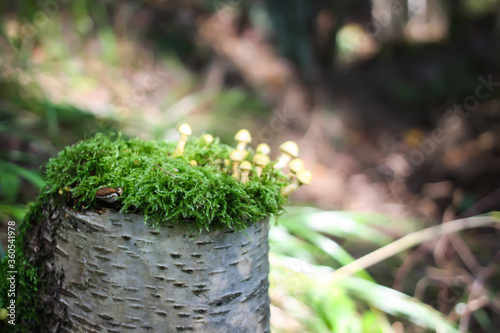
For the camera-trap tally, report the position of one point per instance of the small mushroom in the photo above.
(185, 131)
(245, 168)
(295, 166)
(289, 150)
(193, 163)
(303, 177)
(208, 138)
(260, 161)
(243, 137)
(263, 149)
(236, 157)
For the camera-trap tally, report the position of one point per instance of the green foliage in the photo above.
(27, 281)
(304, 254)
(161, 187)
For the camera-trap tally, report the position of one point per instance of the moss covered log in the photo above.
(183, 248)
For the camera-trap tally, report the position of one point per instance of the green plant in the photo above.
(162, 187)
(27, 279)
(311, 289)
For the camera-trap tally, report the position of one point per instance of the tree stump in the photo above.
(110, 272)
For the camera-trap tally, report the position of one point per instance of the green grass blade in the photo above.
(398, 304)
(31, 176)
(323, 243)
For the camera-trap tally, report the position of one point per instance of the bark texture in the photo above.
(118, 275)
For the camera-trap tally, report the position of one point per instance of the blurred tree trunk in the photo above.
(456, 20)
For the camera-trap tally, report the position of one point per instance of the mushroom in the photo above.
(236, 157)
(185, 131)
(303, 177)
(288, 150)
(243, 137)
(295, 166)
(208, 138)
(260, 161)
(263, 149)
(245, 168)
(193, 163)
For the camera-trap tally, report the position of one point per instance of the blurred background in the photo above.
(395, 105)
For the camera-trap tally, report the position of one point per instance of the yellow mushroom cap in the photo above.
(245, 165)
(304, 177)
(184, 129)
(290, 148)
(236, 156)
(243, 135)
(208, 138)
(263, 149)
(296, 165)
(260, 159)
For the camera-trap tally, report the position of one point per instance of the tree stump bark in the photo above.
(114, 274)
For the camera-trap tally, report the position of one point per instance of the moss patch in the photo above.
(164, 188)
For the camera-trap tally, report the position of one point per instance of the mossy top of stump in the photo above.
(193, 188)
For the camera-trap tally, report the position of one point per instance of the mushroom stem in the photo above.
(185, 131)
(282, 161)
(245, 176)
(241, 146)
(245, 168)
(180, 146)
(289, 189)
(236, 170)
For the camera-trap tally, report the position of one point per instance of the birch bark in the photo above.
(109, 272)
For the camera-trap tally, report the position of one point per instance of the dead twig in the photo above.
(411, 240)
(165, 170)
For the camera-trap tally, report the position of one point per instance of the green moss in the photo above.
(28, 281)
(161, 187)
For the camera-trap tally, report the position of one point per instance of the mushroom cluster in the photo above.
(240, 166)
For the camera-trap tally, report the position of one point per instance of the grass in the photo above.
(305, 286)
